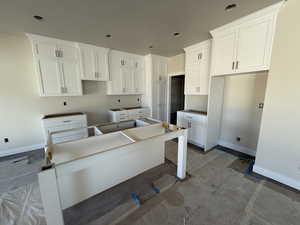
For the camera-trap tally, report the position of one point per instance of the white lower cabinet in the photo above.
(196, 125)
(76, 124)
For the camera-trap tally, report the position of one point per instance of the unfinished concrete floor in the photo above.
(217, 193)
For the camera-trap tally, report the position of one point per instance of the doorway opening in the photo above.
(176, 97)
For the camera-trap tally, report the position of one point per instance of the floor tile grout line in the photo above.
(250, 205)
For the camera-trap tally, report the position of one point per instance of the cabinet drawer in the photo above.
(195, 117)
(65, 127)
(57, 140)
(59, 121)
(124, 118)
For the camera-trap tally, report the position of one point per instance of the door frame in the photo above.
(181, 73)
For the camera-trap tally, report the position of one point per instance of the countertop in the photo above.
(62, 114)
(195, 112)
(126, 108)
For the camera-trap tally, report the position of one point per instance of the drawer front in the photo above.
(195, 117)
(67, 127)
(65, 120)
(57, 140)
(124, 118)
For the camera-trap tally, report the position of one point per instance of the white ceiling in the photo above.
(133, 24)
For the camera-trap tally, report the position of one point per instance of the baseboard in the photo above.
(278, 177)
(238, 148)
(13, 151)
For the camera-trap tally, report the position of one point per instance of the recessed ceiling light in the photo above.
(176, 34)
(37, 17)
(230, 7)
(108, 35)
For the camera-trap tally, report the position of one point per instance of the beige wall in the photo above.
(21, 108)
(278, 153)
(176, 65)
(241, 116)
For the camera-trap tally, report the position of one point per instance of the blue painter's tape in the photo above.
(249, 171)
(156, 189)
(135, 198)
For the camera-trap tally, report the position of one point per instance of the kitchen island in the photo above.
(80, 169)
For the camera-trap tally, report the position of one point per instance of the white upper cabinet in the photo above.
(224, 53)
(197, 68)
(126, 74)
(93, 62)
(57, 66)
(245, 45)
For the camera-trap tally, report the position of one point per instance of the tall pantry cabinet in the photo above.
(155, 96)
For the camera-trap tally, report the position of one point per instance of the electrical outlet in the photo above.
(138, 99)
(65, 103)
(238, 139)
(6, 140)
(119, 100)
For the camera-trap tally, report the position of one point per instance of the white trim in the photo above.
(13, 151)
(238, 148)
(277, 176)
(170, 75)
(198, 45)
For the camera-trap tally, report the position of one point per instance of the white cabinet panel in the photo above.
(126, 74)
(196, 125)
(93, 62)
(50, 77)
(101, 59)
(57, 65)
(45, 49)
(68, 51)
(224, 49)
(197, 68)
(71, 78)
(253, 46)
(245, 45)
(127, 79)
(87, 63)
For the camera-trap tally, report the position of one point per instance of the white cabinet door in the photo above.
(101, 60)
(126, 74)
(45, 49)
(87, 63)
(48, 68)
(114, 86)
(245, 45)
(192, 76)
(93, 62)
(68, 52)
(57, 64)
(50, 78)
(127, 79)
(138, 76)
(196, 132)
(70, 71)
(197, 69)
(71, 78)
(224, 53)
(253, 46)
